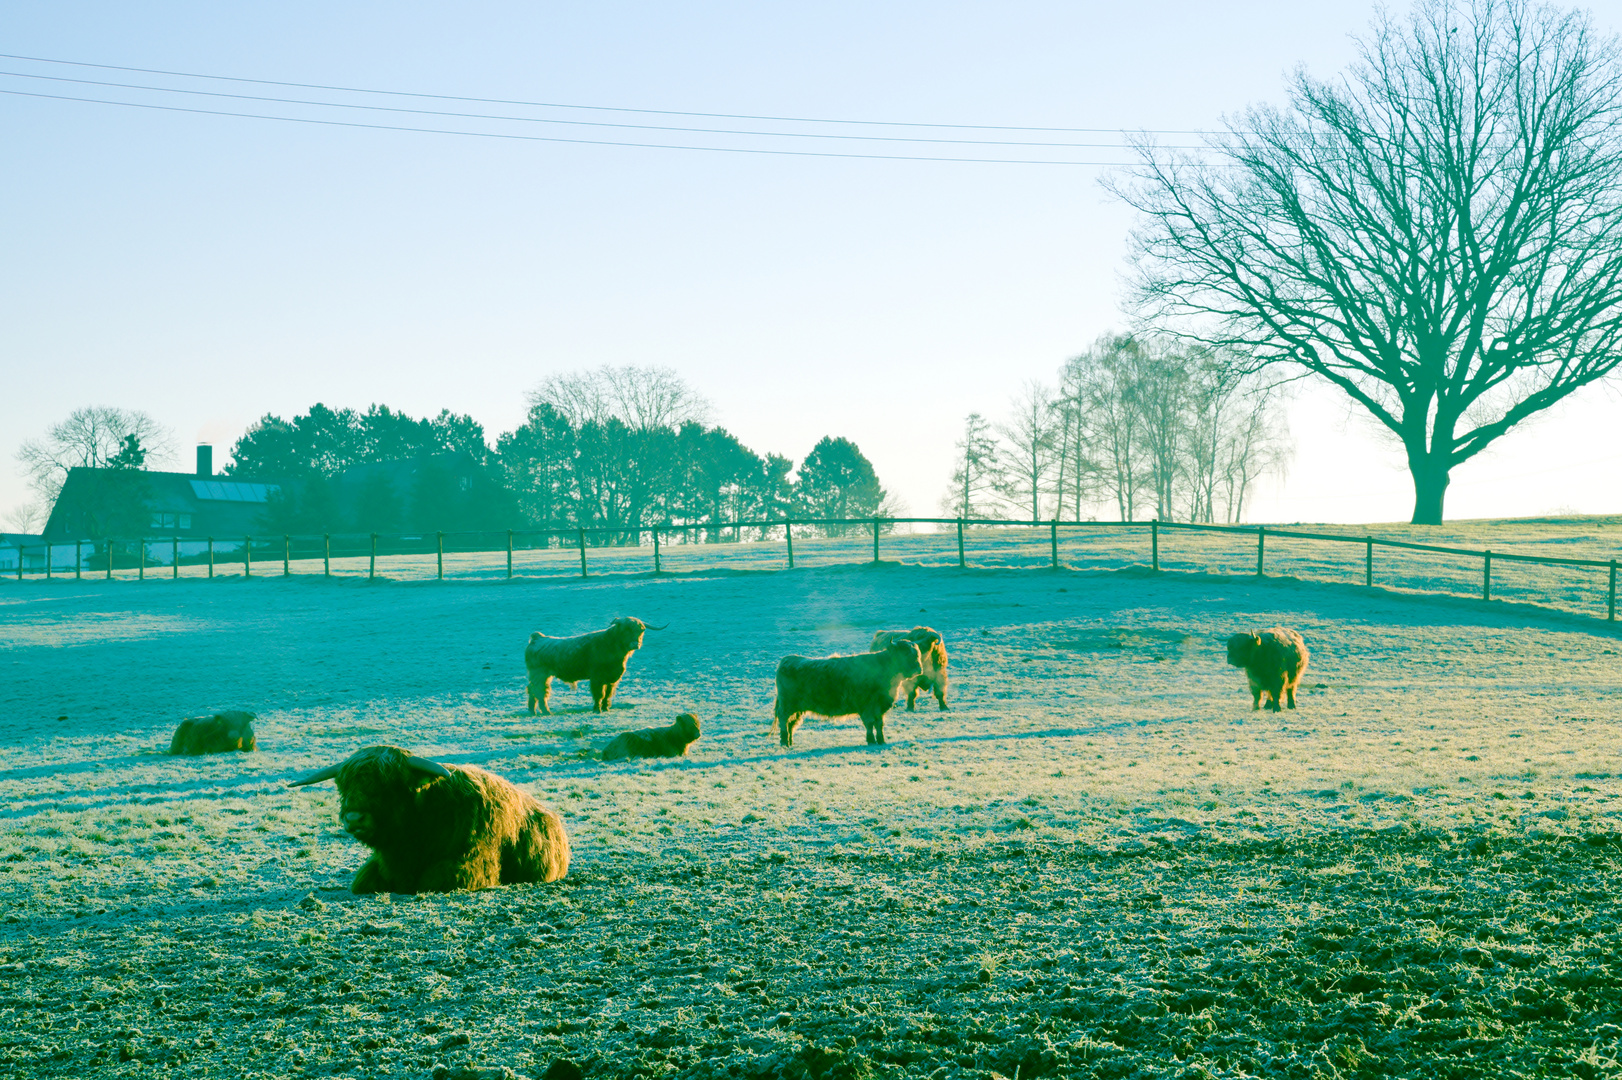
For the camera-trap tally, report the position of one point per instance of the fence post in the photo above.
(1611, 607)
(656, 549)
(961, 564)
(1053, 540)
(1261, 547)
(1486, 575)
(210, 558)
(371, 568)
(788, 534)
(140, 575)
(78, 559)
(1154, 544)
(20, 562)
(287, 554)
(174, 554)
(510, 551)
(47, 562)
(582, 552)
(439, 555)
(875, 540)
(1368, 562)
(247, 556)
(326, 554)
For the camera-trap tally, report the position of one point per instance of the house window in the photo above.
(167, 520)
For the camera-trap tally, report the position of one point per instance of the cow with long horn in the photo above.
(599, 658)
(435, 828)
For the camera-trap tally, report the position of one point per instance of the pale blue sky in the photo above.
(210, 269)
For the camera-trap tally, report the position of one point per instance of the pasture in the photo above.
(1101, 862)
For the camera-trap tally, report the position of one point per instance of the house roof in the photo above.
(177, 503)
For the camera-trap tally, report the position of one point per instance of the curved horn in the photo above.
(316, 777)
(666, 626)
(422, 764)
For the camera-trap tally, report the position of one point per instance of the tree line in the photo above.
(613, 451)
(1136, 426)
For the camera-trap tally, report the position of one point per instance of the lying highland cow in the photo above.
(434, 828)
(669, 741)
(931, 650)
(217, 734)
(864, 685)
(1273, 661)
(599, 658)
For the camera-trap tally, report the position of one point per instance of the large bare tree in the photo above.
(642, 398)
(96, 437)
(1438, 232)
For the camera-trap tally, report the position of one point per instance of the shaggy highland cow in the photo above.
(217, 734)
(599, 658)
(931, 650)
(434, 828)
(864, 685)
(1273, 661)
(669, 741)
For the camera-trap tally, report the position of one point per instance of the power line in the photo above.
(559, 139)
(572, 123)
(600, 108)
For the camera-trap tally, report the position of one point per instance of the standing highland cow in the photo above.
(864, 685)
(434, 828)
(218, 734)
(1273, 661)
(931, 650)
(599, 658)
(669, 741)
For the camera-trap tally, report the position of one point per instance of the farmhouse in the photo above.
(131, 503)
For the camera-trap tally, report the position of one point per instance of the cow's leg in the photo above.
(1255, 696)
(546, 696)
(529, 692)
(372, 877)
(785, 727)
(1275, 693)
(1290, 690)
(602, 694)
(912, 696)
(940, 691)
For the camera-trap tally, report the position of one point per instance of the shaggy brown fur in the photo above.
(217, 734)
(434, 828)
(1273, 661)
(599, 658)
(932, 651)
(864, 685)
(669, 741)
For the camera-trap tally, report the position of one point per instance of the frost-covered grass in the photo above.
(1100, 862)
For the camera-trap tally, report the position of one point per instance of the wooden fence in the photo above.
(649, 548)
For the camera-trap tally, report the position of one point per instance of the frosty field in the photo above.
(1100, 862)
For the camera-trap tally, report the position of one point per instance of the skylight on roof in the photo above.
(231, 491)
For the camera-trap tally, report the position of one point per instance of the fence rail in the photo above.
(341, 554)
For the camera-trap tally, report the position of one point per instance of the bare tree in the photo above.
(1238, 431)
(1107, 381)
(1165, 403)
(975, 477)
(1438, 233)
(1077, 471)
(1029, 461)
(27, 517)
(641, 398)
(95, 437)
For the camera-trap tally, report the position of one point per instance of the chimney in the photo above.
(205, 459)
